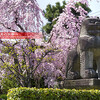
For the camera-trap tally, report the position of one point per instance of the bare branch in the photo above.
(16, 22)
(8, 27)
(42, 57)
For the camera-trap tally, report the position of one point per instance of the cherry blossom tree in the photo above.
(22, 58)
(66, 31)
(20, 16)
(31, 60)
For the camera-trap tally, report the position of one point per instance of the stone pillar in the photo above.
(86, 64)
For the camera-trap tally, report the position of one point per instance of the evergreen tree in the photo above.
(52, 12)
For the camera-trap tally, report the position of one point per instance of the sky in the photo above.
(94, 5)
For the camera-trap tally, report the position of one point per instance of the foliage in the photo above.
(50, 13)
(3, 96)
(52, 94)
(8, 82)
(24, 62)
(53, 12)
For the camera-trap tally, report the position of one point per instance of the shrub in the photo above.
(24, 93)
(3, 96)
(7, 83)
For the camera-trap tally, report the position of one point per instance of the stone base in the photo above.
(80, 83)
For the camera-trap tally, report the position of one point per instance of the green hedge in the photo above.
(3, 96)
(52, 94)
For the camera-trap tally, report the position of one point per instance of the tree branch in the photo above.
(16, 22)
(8, 27)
